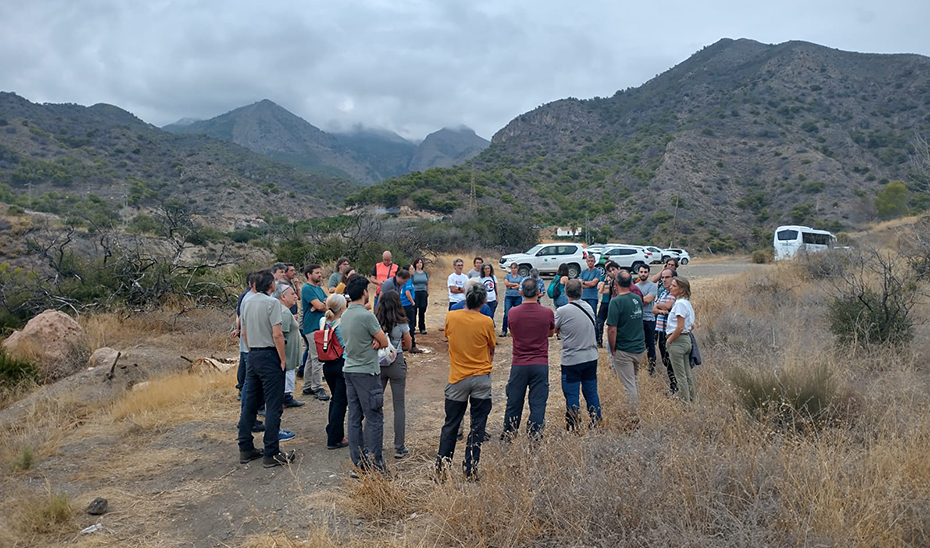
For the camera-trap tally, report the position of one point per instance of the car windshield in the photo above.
(534, 249)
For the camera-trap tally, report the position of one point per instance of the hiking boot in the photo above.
(289, 401)
(281, 459)
(284, 435)
(415, 350)
(401, 453)
(307, 391)
(246, 457)
(321, 394)
(340, 445)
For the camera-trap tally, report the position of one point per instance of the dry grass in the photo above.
(192, 330)
(173, 399)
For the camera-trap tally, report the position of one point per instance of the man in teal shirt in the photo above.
(626, 342)
(313, 305)
(363, 337)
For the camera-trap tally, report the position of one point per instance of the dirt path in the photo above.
(180, 483)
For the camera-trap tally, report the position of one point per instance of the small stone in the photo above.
(97, 507)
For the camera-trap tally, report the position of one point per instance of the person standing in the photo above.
(456, 283)
(677, 330)
(342, 266)
(363, 338)
(332, 372)
(531, 325)
(471, 353)
(626, 342)
(402, 285)
(663, 305)
(394, 322)
(512, 295)
(607, 290)
(242, 370)
(476, 271)
(540, 283)
(286, 294)
(421, 292)
(489, 281)
(261, 331)
(590, 279)
(313, 303)
(650, 291)
(382, 271)
(557, 289)
(575, 322)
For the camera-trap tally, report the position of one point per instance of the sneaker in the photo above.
(422, 332)
(239, 396)
(321, 394)
(340, 445)
(284, 435)
(401, 453)
(246, 457)
(300, 372)
(261, 411)
(307, 391)
(291, 402)
(258, 427)
(415, 350)
(503, 333)
(652, 371)
(281, 459)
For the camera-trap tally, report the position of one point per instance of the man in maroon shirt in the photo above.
(530, 325)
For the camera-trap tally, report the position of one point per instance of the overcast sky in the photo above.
(411, 66)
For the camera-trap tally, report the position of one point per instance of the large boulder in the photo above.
(54, 342)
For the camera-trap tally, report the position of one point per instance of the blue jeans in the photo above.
(264, 379)
(536, 379)
(582, 375)
(593, 304)
(509, 302)
(240, 371)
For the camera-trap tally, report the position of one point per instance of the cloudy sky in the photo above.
(411, 66)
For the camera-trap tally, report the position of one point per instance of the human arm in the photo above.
(678, 329)
(379, 340)
(406, 342)
(278, 337)
(655, 277)
(662, 307)
(650, 296)
(611, 339)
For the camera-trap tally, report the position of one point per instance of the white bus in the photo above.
(791, 239)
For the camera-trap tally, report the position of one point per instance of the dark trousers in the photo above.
(338, 403)
(411, 312)
(593, 304)
(422, 301)
(583, 375)
(509, 302)
(649, 329)
(601, 319)
(264, 379)
(536, 379)
(455, 413)
(365, 403)
(240, 371)
(493, 306)
(666, 359)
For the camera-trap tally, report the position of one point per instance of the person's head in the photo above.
(680, 288)
(285, 293)
(335, 306)
(390, 312)
(291, 272)
(475, 296)
(458, 265)
(419, 263)
(611, 268)
(250, 280)
(342, 264)
(314, 273)
(278, 270)
(529, 288)
(402, 275)
(573, 289)
(590, 261)
(534, 273)
(386, 257)
(348, 274)
(514, 268)
(643, 272)
(563, 270)
(477, 263)
(357, 289)
(666, 277)
(624, 279)
(264, 281)
(672, 263)
(408, 268)
(487, 270)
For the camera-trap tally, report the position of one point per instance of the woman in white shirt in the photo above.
(678, 342)
(489, 281)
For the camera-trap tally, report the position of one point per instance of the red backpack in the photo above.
(328, 348)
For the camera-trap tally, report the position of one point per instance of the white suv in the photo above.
(627, 256)
(676, 253)
(546, 258)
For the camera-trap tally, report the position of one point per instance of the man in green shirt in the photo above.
(626, 342)
(362, 337)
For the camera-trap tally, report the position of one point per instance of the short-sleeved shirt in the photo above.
(648, 288)
(529, 325)
(683, 308)
(513, 292)
(490, 283)
(456, 280)
(575, 322)
(292, 347)
(461, 305)
(259, 314)
(420, 282)
(474, 273)
(244, 298)
(625, 312)
(334, 279)
(471, 337)
(397, 336)
(359, 327)
(404, 301)
(311, 318)
(661, 319)
(590, 293)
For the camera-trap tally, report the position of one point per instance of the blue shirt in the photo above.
(485, 309)
(590, 293)
(311, 317)
(518, 279)
(404, 301)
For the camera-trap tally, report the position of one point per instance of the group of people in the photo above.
(355, 339)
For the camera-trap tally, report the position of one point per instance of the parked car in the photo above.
(627, 256)
(656, 257)
(546, 258)
(676, 253)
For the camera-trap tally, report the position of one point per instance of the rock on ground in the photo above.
(53, 341)
(103, 357)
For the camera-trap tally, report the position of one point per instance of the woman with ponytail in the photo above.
(332, 372)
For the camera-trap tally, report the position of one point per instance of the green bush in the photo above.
(870, 318)
(826, 264)
(14, 370)
(763, 256)
(794, 397)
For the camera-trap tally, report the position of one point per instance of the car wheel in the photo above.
(635, 268)
(684, 261)
(573, 270)
(524, 270)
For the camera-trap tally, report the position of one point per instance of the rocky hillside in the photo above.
(714, 153)
(54, 153)
(446, 148)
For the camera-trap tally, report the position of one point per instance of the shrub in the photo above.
(45, 515)
(14, 370)
(24, 460)
(870, 318)
(797, 397)
(826, 264)
(763, 256)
